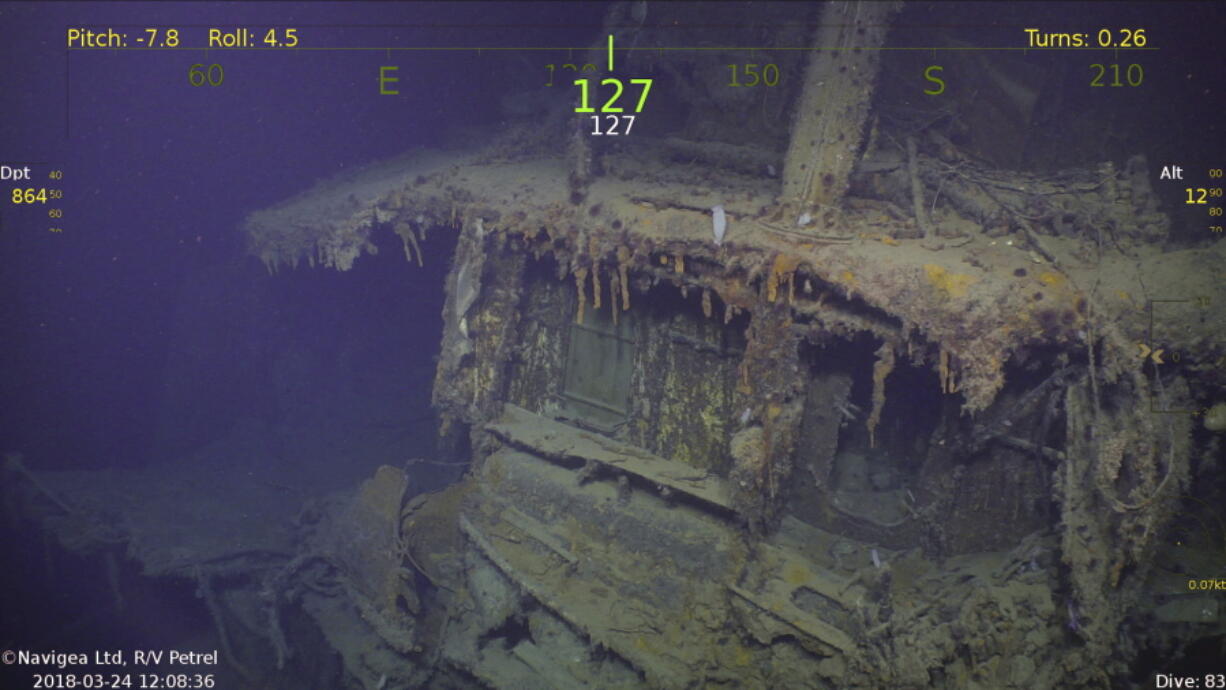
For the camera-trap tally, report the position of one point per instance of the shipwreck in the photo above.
(816, 385)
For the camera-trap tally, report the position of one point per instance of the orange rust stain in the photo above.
(952, 284)
(784, 269)
(1049, 278)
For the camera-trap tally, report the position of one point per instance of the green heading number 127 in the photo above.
(609, 106)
